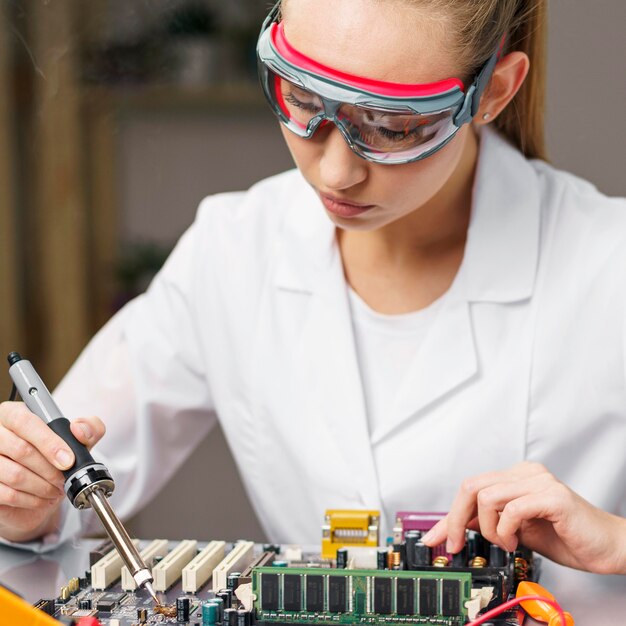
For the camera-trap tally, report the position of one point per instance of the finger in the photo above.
(18, 477)
(18, 499)
(437, 534)
(465, 506)
(493, 500)
(24, 453)
(546, 505)
(88, 430)
(17, 418)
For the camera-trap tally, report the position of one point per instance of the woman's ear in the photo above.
(507, 78)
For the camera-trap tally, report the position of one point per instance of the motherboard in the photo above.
(351, 578)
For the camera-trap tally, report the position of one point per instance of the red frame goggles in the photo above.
(383, 122)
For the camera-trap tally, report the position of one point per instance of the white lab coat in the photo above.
(249, 323)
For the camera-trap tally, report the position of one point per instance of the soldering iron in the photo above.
(87, 483)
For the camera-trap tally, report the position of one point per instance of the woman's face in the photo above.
(389, 41)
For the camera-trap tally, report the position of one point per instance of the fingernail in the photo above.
(428, 536)
(449, 546)
(64, 459)
(86, 430)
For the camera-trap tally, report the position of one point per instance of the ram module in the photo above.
(320, 596)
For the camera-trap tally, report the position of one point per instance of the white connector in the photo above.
(156, 548)
(169, 570)
(196, 573)
(108, 569)
(235, 561)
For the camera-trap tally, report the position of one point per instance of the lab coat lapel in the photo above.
(330, 386)
(499, 266)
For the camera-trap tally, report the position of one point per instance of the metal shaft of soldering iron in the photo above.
(121, 540)
(87, 483)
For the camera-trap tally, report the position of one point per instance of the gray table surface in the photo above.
(592, 600)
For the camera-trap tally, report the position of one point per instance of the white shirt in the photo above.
(249, 323)
(386, 347)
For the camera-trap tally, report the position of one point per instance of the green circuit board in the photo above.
(322, 596)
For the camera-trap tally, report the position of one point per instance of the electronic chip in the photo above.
(382, 596)
(292, 592)
(405, 596)
(269, 592)
(314, 593)
(428, 596)
(109, 601)
(337, 594)
(451, 598)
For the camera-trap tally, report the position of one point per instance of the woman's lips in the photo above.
(342, 208)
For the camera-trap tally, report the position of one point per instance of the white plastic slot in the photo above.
(236, 560)
(169, 570)
(108, 569)
(196, 573)
(157, 548)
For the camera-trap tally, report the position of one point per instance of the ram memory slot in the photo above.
(316, 595)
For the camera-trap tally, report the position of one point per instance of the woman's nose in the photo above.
(340, 168)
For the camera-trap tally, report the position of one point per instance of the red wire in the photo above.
(514, 602)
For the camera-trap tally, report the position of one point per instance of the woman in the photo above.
(421, 301)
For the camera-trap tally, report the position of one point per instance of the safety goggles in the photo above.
(382, 122)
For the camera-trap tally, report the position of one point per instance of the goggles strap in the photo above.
(471, 103)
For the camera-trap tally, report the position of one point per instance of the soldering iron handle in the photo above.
(83, 458)
(39, 401)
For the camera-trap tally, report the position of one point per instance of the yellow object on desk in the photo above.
(14, 610)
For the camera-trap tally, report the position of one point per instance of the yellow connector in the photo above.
(349, 528)
(14, 610)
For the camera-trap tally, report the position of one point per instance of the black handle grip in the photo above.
(61, 426)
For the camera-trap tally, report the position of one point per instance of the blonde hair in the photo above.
(481, 25)
(478, 27)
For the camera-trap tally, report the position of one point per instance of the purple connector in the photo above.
(422, 521)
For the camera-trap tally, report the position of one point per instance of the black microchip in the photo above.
(451, 597)
(108, 601)
(269, 592)
(405, 596)
(292, 596)
(314, 593)
(382, 596)
(337, 594)
(428, 596)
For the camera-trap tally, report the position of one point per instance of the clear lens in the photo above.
(378, 135)
(395, 136)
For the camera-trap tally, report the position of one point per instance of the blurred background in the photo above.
(118, 116)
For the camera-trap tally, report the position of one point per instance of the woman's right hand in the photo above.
(32, 458)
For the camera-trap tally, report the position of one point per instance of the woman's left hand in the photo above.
(528, 505)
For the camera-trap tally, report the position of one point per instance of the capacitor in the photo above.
(220, 608)
(232, 582)
(74, 586)
(210, 613)
(342, 558)
(497, 556)
(85, 605)
(460, 559)
(182, 609)
(422, 554)
(381, 558)
(65, 594)
(243, 618)
(142, 616)
(230, 617)
(226, 596)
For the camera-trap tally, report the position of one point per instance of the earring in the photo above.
(486, 116)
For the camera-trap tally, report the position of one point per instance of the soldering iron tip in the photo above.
(150, 589)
